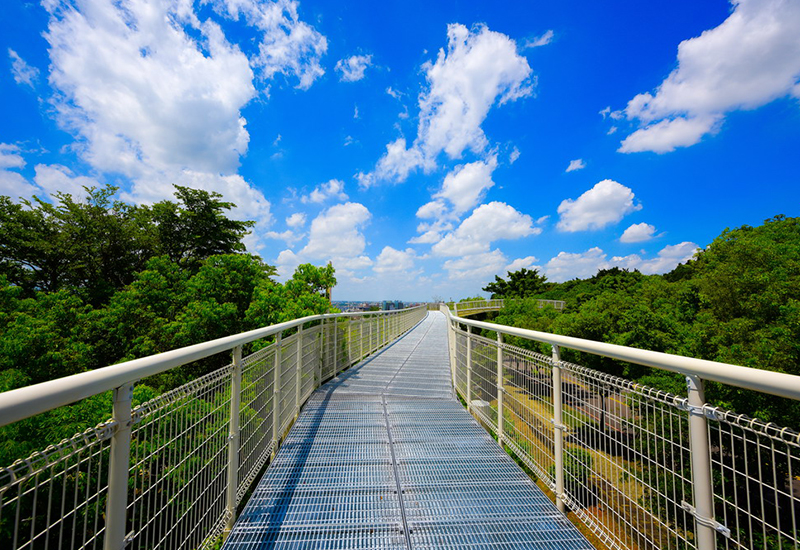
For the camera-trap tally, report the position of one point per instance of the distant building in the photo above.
(390, 305)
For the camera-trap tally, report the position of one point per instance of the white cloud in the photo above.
(355, 111)
(352, 69)
(337, 232)
(513, 156)
(542, 40)
(428, 237)
(10, 157)
(434, 209)
(638, 232)
(528, 262)
(478, 69)
(296, 220)
(154, 90)
(22, 72)
(614, 115)
(13, 184)
(605, 203)
(576, 164)
(466, 185)
(749, 60)
(287, 45)
(566, 266)
(395, 165)
(488, 223)
(333, 189)
(391, 260)
(52, 178)
(476, 267)
(666, 135)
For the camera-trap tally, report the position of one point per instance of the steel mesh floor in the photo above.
(384, 457)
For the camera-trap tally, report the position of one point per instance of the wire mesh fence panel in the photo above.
(310, 359)
(528, 409)
(461, 363)
(179, 459)
(756, 474)
(484, 380)
(288, 379)
(627, 466)
(57, 496)
(256, 415)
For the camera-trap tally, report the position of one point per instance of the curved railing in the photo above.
(171, 472)
(641, 468)
(480, 306)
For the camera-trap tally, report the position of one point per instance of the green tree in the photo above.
(521, 284)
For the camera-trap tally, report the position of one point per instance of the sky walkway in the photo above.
(384, 456)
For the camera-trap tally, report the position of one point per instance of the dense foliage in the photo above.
(737, 301)
(85, 284)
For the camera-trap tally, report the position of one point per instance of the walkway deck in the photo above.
(385, 457)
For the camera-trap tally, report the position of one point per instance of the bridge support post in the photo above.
(702, 489)
(558, 428)
(469, 368)
(233, 438)
(500, 389)
(298, 371)
(276, 395)
(119, 464)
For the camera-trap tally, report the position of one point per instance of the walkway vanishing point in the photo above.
(384, 456)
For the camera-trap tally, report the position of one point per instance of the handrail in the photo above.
(774, 383)
(499, 303)
(29, 401)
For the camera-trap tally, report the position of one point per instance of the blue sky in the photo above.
(423, 147)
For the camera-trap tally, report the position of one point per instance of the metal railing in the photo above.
(641, 468)
(171, 472)
(478, 306)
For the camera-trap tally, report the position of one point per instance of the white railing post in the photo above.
(119, 465)
(276, 394)
(558, 428)
(361, 338)
(321, 362)
(299, 370)
(233, 438)
(370, 333)
(469, 368)
(500, 388)
(702, 489)
(349, 324)
(335, 346)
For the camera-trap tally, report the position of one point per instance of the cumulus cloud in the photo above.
(488, 223)
(395, 165)
(53, 178)
(749, 60)
(154, 91)
(337, 232)
(566, 265)
(476, 267)
(286, 45)
(528, 262)
(296, 220)
(466, 185)
(391, 260)
(12, 183)
(333, 189)
(22, 72)
(637, 233)
(605, 203)
(576, 164)
(513, 156)
(352, 68)
(478, 69)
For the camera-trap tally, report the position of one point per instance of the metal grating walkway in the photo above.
(385, 457)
